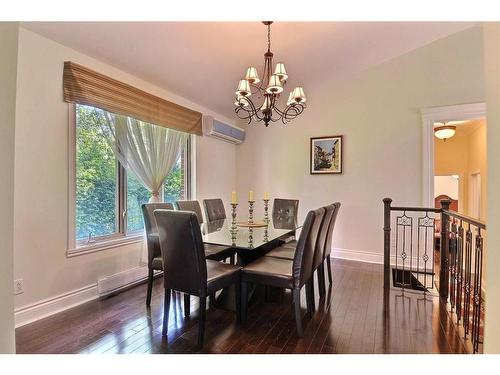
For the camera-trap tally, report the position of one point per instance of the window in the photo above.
(108, 197)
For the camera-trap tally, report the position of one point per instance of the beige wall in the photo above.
(464, 155)
(378, 114)
(8, 76)
(492, 79)
(41, 181)
(478, 163)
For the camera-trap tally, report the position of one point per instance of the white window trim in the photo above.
(73, 248)
(115, 240)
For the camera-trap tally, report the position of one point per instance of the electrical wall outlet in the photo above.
(18, 286)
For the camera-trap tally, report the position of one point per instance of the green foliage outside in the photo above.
(95, 177)
(173, 185)
(96, 186)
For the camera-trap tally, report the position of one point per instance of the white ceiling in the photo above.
(203, 61)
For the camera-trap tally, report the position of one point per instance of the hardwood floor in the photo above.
(352, 319)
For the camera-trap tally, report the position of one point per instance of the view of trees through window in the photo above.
(98, 188)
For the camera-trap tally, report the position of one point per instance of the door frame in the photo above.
(472, 111)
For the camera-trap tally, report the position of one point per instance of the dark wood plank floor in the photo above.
(350, 319)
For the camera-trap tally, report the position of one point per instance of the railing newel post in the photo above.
(387, 242)
(444, 271)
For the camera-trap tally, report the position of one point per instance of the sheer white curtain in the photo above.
(149, 151)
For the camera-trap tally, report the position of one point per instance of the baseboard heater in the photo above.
(121, 281)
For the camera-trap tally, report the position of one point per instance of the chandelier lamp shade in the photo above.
(267, 91)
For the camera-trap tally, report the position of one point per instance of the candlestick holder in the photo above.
(233, 216)
(266, 233)
(250, 212)
(266, 211)
(250, 238)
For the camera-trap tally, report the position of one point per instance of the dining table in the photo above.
(250, 241)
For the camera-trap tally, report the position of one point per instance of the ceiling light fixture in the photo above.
(268, 91)
(446, 129)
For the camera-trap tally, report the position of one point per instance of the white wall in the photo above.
(378, 114)
(446, 185)
(492, 75)
(41, 174)
(8, 76)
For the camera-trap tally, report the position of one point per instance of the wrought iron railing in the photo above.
(422, 243)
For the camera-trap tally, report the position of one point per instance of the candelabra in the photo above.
(250, 212)
(233, 216)
(250, 238)
(233, 228)
(266, 233)
(266, 211)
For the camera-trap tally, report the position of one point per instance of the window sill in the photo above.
(104, 245)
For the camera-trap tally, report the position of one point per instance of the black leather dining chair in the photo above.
(287, 251)
(187, 270)
(285, 273)
(214, 209)
(329, 242)
(319, 252)
(284, 214)
(214, 252)
(155, 261)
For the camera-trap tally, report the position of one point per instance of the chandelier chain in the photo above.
(269, 38)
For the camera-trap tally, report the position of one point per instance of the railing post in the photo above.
(444, 269)
(387, 242)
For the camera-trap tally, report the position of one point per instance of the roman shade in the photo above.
(85, 86)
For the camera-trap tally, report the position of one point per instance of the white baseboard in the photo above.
(41, 309)
(358, 255)
(104, 287)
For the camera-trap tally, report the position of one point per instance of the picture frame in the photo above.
(326, 155)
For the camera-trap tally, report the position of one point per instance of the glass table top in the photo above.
(220, 233)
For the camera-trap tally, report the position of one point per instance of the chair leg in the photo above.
(321, 279)
(150, 287)
(201, 322)
(237, 296)
(329, 268)
(232, 259)
(187, 305)
(243, 303)
(298, 319)
(166, 309)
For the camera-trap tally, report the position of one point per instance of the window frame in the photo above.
(122, 236)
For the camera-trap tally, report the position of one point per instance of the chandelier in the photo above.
(267, 91)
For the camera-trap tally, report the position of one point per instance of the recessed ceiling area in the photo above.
(203, 61)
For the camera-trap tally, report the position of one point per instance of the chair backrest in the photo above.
(150, 227)
(214, 209)
(184, 264)
(148, 210)
(193, 206)
(329, 237)
(304, 253)
(322, 235)
(285, 212)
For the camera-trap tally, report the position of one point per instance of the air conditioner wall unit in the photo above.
(220, 130)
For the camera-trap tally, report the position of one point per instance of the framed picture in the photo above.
(326, 155)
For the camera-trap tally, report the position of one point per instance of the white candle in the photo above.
(233, 198)
(266, 195)
(250, 196)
